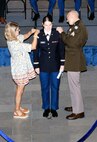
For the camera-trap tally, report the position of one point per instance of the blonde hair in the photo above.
(10, 30)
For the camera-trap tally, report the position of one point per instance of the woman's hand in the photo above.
(36, 33)
(61, 69)
(33, 31)
(37, 70)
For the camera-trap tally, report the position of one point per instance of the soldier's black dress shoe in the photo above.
(61, 19)
(68, 108)
(36, 17)
(46, 112)
(54, 113)
(74, 116)
(92, 16)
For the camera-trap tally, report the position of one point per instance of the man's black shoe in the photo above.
(61, 19)
(46, 112)
(92, 16)
(54, 113)
(36, 17)
(68, 108)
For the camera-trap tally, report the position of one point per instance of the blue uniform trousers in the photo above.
(78, 5)
(50, 90)
(2, 7)
(60, 6)
(91, 4)
(34, 5)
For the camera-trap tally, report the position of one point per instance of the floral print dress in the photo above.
(21, 67)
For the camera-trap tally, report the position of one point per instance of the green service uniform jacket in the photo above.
(74, 40)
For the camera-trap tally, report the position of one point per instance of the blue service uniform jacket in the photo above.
(49, 55)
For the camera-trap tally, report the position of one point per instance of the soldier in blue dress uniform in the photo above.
(50, 9)
(48, 62)
(35, 9)
(90, 8)
(2, 9)
(61, 9)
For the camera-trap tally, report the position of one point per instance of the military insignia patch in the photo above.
(72, 34)
(75, 27)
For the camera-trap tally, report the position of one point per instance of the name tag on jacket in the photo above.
(54, 41)
(42, 42)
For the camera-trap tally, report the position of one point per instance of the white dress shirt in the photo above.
(47, 34)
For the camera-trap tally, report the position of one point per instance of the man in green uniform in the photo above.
(74, 41)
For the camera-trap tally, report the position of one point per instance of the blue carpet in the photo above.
(5, 56)
(90, 53)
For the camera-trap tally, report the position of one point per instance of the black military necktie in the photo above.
(48, 36)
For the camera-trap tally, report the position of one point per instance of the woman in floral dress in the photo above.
(21, 67)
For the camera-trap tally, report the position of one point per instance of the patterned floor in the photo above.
(39, 129)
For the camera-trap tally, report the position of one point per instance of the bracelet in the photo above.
(36, 36)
